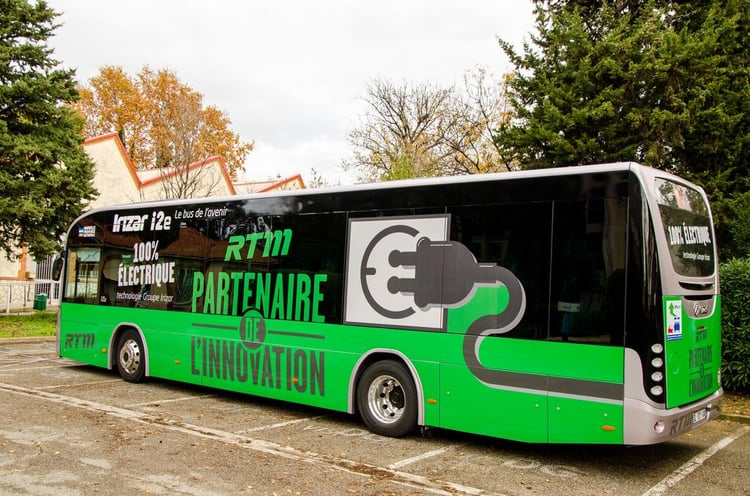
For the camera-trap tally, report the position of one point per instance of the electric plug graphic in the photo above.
(445, 273)
(404, 273)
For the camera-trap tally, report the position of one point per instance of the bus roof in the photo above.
(613, 167)
(396, 184)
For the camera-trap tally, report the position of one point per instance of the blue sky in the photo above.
(291, 74)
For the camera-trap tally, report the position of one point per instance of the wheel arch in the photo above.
(377, 355)
(115, 337)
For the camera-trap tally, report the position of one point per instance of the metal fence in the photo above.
(18, 296)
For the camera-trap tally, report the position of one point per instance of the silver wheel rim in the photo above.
(385, 399)
(130, 356)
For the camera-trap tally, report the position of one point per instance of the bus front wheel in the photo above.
(131, 360)
(387, 399)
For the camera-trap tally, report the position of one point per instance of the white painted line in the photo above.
(173, 400)
(18, 361)
(280, 424)
(688, 467)
(77, 384)
(357, 468)
(23, 369)
(414, 459)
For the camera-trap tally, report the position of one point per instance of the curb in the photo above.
(28, 310)
(27, 340)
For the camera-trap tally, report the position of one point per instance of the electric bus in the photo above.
(571, 305)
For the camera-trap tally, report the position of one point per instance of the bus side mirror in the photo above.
(57, 267)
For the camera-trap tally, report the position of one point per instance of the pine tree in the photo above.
(663, 83)
(45, 175)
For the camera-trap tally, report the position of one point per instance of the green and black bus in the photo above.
(572, 305)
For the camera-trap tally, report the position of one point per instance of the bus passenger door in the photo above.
(583, 348)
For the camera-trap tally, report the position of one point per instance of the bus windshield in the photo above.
(687, 227)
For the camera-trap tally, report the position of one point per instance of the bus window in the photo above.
(186, 247)
(270, 263)
(112, 261)
(588, 271)
(83, 275)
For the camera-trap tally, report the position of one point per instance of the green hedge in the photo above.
(735, 322)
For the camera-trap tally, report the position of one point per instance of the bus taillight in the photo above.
(656, 388)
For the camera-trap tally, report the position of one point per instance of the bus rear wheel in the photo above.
(387, 399)
(131, 360)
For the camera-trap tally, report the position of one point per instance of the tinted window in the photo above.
(285, 267)
(588, 271)
(83, 273)
(517, 237)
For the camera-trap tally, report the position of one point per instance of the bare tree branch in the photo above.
(423, 130)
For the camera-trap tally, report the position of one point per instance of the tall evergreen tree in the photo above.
(664, 83)
(45, 175)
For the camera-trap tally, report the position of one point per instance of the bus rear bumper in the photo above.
(646, 424)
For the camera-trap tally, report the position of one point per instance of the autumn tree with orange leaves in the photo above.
(161, 122)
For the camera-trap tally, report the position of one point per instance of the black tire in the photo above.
(387, 399)
(131, 356)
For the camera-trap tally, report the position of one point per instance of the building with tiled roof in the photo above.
(290, 183)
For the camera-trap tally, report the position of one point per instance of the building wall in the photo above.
(15, 270)
(114, 175)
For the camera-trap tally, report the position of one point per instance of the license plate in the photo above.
(699, 416)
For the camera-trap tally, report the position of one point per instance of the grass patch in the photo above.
(24, 326)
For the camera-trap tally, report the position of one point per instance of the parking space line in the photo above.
(23, 369)
(77, 384)
(24, 361)
(694, 463)
(361, 469)
(173, 400)
(280, 424)
(414, 459)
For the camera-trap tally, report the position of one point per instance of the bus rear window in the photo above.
(687, 227)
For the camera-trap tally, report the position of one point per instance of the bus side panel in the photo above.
(166, 335)
(504, 397)
(586, 393)
(286, 360)
(562, 392)
(83, 334)
(181, 351)
(304, 376)
(592, 375)
(574, 420)
(467, 405)
(305, 363)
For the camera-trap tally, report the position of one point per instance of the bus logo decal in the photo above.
(276, 244)
(138, 223)
(700, 309)
(674, 317)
